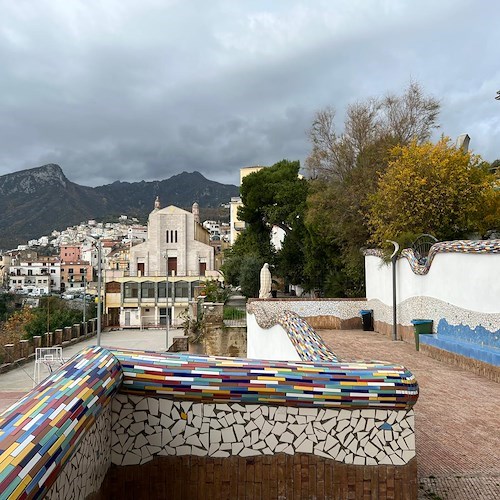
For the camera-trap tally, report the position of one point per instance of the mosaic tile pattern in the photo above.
(435, 309)
(267, 311)
(458, 246)
(308, 344)
(147, 427)
(310, 384)
(85, 472)
(40, 433)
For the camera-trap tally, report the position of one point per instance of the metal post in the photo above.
(166, 297)
(84, 293)
(99, 272)
(394, 259)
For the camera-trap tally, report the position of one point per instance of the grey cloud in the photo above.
(121, 90)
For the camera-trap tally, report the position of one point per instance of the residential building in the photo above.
(39, 276)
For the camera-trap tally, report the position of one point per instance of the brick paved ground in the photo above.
(457, 418)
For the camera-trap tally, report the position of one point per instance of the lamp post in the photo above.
(84, 293)
(166, 299)
(394, 259)
(99, 272)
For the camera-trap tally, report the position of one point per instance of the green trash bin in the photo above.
(421, 327)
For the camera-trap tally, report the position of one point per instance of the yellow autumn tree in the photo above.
(433, 188)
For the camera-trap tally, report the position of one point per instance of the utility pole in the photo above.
(166, 298)
(394, 259)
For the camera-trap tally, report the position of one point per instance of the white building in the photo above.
(37, 277)
(175, 241)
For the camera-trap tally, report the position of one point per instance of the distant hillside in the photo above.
(36, 201)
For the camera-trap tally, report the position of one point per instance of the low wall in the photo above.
(350, 419)
(23, 351)
(331, 314)
(41, 433)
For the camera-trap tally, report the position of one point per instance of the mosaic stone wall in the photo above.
(85, 472)
(40, 433)
(266, 311)
(147, 427)
(435, 309)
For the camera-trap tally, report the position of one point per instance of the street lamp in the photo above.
(394, 259)
(99, 273)
(166, 298)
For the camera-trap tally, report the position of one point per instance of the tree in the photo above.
(433, 188)
(345, 168)
(273, 196)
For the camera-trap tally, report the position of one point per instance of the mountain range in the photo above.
(36, 201)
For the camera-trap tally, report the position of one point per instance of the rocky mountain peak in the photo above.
(32, 180)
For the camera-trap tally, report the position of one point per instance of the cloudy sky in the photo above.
(132, 90)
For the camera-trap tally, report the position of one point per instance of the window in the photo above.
(82, 270)
(131, 290)
(182, 289)
(176, 236)
(167, 238)
(70, 270)
(52, 271)
(161, 289)
(148, 290)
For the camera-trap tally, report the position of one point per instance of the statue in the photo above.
(265, 282)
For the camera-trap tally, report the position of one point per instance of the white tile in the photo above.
(369, 413)
(410, 441)
(381, 415)
(265, 430)
(371, 450)
(248, 452)
(359, 461)
(236, 448)
(177, 441)
(259, 445)
(178, 427)
(213, 448)
(287, 437)
(250, 427)
(349, 458)
(142, 405)
(204, 439)
(208, 410)
(189, 431)
(408, 455)
(196, 422)
(226, 446)
(342, 425)
(166, 437)
(289, 450)
(152, 420)
(166, 406)
(271, 441)
(228, 435)
(279, 428)
(301, 419)
(220, 454)
(131, 459)
(194, 440)
(186, 406)
(197, 409)
(259, 421)
(280, 447)
(230, 419)
(140, 441)
(166, 421)
(297, 429)
(198, 452)
(291, 410)
(215, 436)
(136, 428)
(239, 431)
(223, 422)
(215, 424)
(254, 436)
(329, 414)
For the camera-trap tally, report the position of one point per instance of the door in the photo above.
(203, 268)
(127, 318)
(172, 266)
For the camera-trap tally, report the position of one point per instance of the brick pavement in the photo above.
(457, 417)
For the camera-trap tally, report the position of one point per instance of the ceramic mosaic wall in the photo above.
(147, 427)
(40, 433)
(459, 246)
(236, 380)
(435, 309)
(85, 472)
(266, 311)
(308, 344)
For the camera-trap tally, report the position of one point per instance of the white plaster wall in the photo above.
(269, 343)
(468, 281)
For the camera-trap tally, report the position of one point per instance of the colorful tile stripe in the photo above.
(236, 380)
(308, 344)
(40, 432)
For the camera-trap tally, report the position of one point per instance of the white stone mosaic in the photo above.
(85, 472)
(143, 428)
(267, 310)
(435, 309)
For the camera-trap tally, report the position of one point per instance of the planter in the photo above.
(421, 327)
